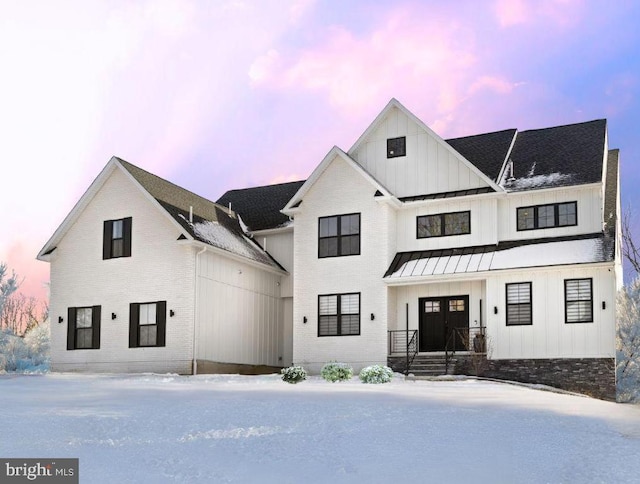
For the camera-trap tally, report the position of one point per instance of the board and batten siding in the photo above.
(159, 269)
(483, 224)
(430, 166)
(240, 313)
(549, 336)
(280, 246)
(349, 193)
(589, 206)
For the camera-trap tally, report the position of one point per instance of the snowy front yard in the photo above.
(164, 428)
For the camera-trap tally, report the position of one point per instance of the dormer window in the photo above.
(117, 238)
(396, 147)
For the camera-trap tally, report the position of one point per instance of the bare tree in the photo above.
(8, 284)
(21, 313)
(630, 248)
(628, 342)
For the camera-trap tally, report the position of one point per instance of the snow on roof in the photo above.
(490, 258)
(538, 181)
(223, 238)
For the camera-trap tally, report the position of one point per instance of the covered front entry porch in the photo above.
(431, 323)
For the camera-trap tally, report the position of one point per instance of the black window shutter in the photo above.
(161, 320)
(126, 232)
(71, 329)
(95, 326)
(134, 319)
(106, 239)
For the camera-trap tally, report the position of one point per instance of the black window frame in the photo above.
(72, 328)
(396, 147)
(339, 314)
(567, 301)
(339, 236)
(109, 241)
(556, 216)
(443, 225)
(134, 324)
(518, 304)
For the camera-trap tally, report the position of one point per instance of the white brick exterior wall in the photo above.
(340, 190)
(159, 269)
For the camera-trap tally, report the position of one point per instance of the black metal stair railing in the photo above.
(449, 350)
(404, 342)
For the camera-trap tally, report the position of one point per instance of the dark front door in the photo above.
(439, 319)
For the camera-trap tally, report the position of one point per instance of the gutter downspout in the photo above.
(196, 319)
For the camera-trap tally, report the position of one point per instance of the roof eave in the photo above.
(333, 153)
(581, 186)
(78, 208)
(482, 275)
(236, 257)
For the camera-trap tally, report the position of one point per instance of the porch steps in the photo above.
(423, 365)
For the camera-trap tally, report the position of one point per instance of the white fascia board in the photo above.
(397, 104)
(436, 201)
(88, 196)
(334, 153)
(153, 201)
(231, 255)
(390, 200)
(78, 208)
(564, 188)
(484, 275)
(273, 231)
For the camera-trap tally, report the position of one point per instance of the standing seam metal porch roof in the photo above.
(576, 249)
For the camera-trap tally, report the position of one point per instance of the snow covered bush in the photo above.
(12, 351)
(334, 371)
(37, 341)
(293, 374)
(376, 374)
(29, 354)
(628, 343)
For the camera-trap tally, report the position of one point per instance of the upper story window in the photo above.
(547, 216)
(147, 324)
(441, 224)
(578, 300)
(83, 328)
(396, 147)
(339, 314)
(339, 235)
(116, 240)
(519, 304)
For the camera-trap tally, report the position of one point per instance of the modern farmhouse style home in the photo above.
(496, 253)
(509, 240)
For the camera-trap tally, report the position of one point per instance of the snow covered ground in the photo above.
(225, 428)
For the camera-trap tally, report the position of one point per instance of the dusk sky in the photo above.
(215, 95)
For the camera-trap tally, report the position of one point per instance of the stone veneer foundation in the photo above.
(591, 376)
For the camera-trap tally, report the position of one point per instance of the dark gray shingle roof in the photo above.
(212, 224)
(486, 151)
(558, 156)
(260, 207)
